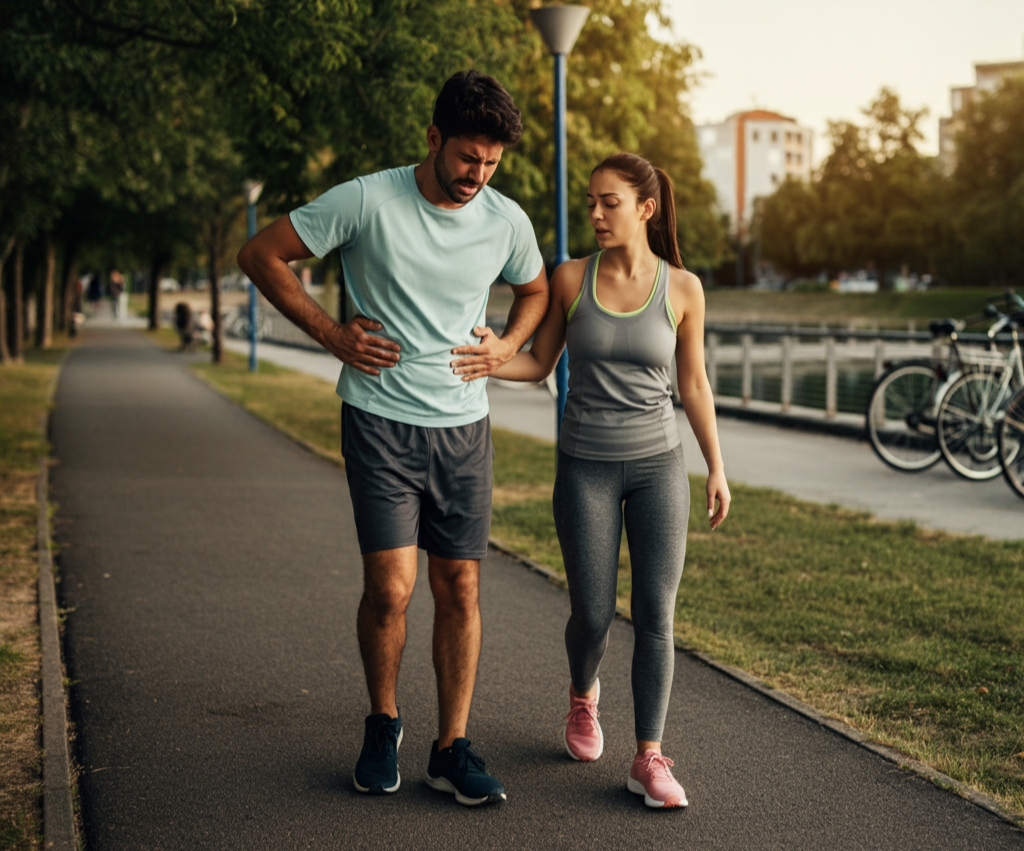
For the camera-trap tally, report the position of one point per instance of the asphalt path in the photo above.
(211, 576)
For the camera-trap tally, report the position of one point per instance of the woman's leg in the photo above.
(657, 511)
(588, 518)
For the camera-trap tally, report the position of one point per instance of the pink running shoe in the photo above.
(650, 777)
(583, 737)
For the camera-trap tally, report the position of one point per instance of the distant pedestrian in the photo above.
(420, 247)
(625, 313)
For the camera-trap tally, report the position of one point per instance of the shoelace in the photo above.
(656, 763)
(468, 758)
(588, 709)
(384, 740)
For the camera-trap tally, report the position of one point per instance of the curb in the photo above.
(58, 810)
(840, 728)
(802, 419)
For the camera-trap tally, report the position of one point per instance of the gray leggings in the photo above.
(588, 504)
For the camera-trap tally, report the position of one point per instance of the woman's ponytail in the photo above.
(661, 228)
(651, 182)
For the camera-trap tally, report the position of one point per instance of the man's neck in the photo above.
(430, 189)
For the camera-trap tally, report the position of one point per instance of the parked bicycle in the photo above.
(1011, 443)
(238, 323)
(971, 410)
(903, 408)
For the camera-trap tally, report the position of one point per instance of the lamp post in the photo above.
(252, 195)
(560, 26)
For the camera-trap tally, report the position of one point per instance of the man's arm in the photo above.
(530, 303)
(265, 259)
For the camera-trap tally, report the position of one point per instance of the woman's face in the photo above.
(616, 213)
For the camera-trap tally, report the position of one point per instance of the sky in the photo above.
(815, 60)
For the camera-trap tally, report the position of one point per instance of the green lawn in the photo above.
(883, 310)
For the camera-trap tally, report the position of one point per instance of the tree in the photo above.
(986, 196)
(873, 203)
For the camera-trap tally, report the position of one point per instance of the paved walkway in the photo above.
(211, 577)
(808, 465)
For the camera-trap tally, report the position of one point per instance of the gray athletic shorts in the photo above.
(416, 485)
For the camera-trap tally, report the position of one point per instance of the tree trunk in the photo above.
(214, 249)
(18, 307)
(44, 303)
(158, 264)
(5, 352)
(69, 288)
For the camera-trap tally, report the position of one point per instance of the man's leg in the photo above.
(455, 584)
(388, 577)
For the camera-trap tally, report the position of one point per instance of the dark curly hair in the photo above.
(475, 104)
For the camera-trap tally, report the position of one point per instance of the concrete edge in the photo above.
(59, 829)
(804, 419)
(838, 727)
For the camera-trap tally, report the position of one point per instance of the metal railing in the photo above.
(826, 370)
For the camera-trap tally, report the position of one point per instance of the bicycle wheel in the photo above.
(968, 417)
(1011, 441)
(901, 417)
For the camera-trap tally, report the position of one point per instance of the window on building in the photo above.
(799, 159)
(775, 180)
(775, 136)
(789, 158)
(799, 138)
(755, 136)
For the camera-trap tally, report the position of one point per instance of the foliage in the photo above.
(130, 126)
(986, 200)
(872, 204)
(877, 202)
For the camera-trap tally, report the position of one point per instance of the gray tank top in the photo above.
(619, 405)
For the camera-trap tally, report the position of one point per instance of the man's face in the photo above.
(463, 165)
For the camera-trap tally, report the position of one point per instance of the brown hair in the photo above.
(650, 182)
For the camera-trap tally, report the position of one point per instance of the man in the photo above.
(420, 247)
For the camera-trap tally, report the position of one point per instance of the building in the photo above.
(987, 77)
(748, 155)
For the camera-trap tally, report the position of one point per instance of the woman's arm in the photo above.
(548, 342)
(687, 299)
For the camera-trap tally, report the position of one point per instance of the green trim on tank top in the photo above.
(639, 310)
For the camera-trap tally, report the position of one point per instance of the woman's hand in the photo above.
(718, 488)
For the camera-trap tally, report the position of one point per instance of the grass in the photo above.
(913, 637)
(883, 310)
(24, 399)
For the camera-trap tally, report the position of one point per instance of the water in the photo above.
(854, 380)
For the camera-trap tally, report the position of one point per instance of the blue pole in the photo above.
(561, 220)
(252, 295)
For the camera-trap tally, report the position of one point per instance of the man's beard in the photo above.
(444, 180)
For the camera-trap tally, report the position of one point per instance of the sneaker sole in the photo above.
(637, 788)
(443, 784)
(378, 789)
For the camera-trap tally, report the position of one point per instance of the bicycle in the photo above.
(971, 410)
(1011, 441)
(903, 405)
(238, 324)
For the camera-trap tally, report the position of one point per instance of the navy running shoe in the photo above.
(377, 767)
(458, 769)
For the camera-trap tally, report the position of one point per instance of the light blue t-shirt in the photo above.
(424, 273)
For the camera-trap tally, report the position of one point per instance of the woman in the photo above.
(624, 313)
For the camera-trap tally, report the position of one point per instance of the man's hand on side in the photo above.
(481, 360)
(353, 345)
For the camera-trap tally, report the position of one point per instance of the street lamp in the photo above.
(252, 195)
(560, 26)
